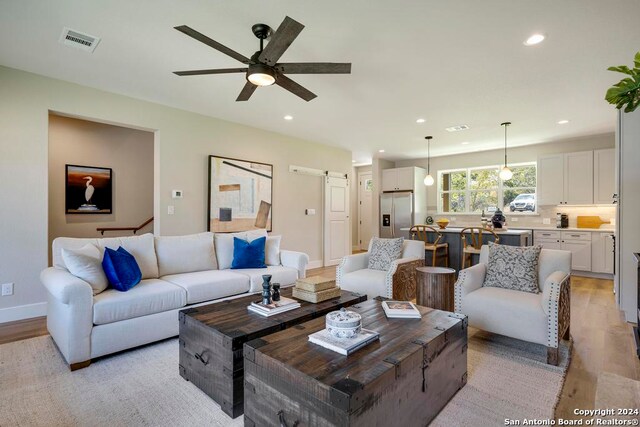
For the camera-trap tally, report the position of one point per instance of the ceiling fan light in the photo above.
(261, 75)
(428, 180)
(506, 174)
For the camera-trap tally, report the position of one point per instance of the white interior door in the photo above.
(365, 199)
(337, 237)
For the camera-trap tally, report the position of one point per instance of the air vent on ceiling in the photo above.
(79, 40)
(457, 128)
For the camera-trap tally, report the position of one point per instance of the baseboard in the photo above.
(355, 248)
(315, 264)
(21, 312)
(590, 274)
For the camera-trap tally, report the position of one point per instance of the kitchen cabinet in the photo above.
(604, 176)
(602, 246)
(577, 242)
(400, 179)
(566, 179)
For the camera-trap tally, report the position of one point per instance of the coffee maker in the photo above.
(562, 220)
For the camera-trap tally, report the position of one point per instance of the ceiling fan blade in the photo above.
(293, 87)
(314, 68)
(212, 43)
(217, 71)
(246, 92)
(280, 41)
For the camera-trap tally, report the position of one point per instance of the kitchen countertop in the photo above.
(523, 229)
(542, 228)
(515, 232)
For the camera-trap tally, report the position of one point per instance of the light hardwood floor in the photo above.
(603, 341)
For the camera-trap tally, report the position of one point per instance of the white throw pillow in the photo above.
(185, 254)
(272, 250)
(86, 263)
(224, 245)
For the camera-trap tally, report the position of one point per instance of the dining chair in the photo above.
(472, 241)
(423, 232)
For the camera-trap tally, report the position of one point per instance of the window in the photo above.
(476, 189)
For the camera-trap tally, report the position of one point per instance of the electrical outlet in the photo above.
(171, 210)
(546, 221)
(514, 219)
(7, 289)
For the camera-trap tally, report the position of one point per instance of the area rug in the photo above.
(142, 387)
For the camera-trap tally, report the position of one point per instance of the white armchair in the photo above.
(399, 282)
(541, 318)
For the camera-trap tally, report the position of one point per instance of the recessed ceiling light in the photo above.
(420, 121)
(380, 151)
(457, 128)
(563, 122)
(288, 117)
(465, 143)
(534, 39)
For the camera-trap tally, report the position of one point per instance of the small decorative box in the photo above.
(343, 323)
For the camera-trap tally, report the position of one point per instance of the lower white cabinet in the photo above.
(578, 243)
(602, 253)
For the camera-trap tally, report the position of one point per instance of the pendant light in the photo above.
(505, 173)
(428, 180)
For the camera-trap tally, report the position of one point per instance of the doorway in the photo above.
(365, 200)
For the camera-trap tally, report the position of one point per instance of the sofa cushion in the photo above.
(507, 312)
(141, 247)
(209, 285)
(383, 252)
(224, 245)
(366, 281)
(513, 267)
(185, 254)
(86, 263)
(148, 297)
(279, 274)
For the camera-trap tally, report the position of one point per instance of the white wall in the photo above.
(128, 152)
(377, 166)
(183, 140)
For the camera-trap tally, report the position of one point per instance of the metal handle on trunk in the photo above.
(199, 357)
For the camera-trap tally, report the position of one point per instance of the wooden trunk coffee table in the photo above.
(211, 339)
(404, 379)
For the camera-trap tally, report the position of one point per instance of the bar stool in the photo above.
(472, 246)
(436, 248)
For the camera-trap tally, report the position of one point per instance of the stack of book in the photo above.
(276, 307)
(316, 289)
(401, 310)
(344, 346)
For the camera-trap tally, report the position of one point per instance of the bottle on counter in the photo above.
(483, 220)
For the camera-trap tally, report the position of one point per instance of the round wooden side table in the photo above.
(435, 287)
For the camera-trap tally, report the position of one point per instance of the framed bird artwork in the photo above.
(88, 190)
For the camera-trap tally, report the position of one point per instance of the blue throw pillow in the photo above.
(121, 269)
(248, 254)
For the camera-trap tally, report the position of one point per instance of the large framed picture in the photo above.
(240, 193)
(88, 190)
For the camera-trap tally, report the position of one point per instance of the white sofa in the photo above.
(177, 272)
(541, 318)
(399, 282)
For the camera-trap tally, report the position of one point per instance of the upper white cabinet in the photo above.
(581, 178)
(578, 178)
(400, 179)
(604, 176)
(551, 179)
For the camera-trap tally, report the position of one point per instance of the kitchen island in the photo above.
(451, 235)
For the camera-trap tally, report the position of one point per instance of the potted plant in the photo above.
(626, 91)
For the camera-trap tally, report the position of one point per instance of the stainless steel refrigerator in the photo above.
(396, 212)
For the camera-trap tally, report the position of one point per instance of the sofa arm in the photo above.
(469, 280)
(297, 260)
(556, 303)
(351, 263)
(401, 278)
(65, 287)
(552, 290)
(69, 314)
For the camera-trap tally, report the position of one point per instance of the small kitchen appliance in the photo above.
(562, 220)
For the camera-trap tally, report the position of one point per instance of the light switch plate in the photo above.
(7, 289)
(171, 210)
(310, 211)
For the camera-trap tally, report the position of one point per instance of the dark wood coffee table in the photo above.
(404, 379)
(211, 339)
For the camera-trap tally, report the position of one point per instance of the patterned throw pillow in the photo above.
(384, 252)
(513, 267)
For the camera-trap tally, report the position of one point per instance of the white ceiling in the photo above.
(450, 62)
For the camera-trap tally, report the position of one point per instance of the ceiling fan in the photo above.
(263, 67)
